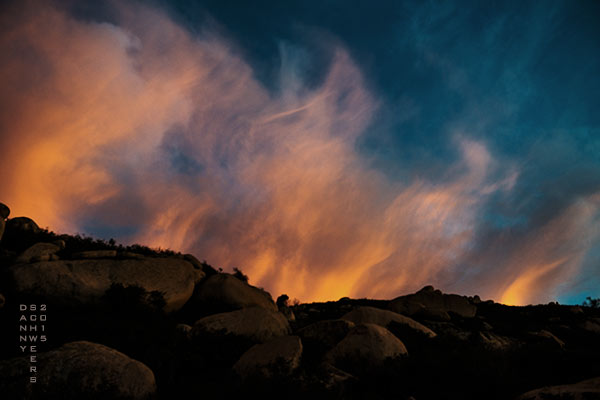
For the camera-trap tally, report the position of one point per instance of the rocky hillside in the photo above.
(114, 322)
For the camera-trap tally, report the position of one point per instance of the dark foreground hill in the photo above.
(87, 319)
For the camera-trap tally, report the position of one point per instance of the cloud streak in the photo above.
(170, 140)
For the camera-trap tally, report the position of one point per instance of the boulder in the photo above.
(366, 346)
(585, 390)
(86, 281)
(433, 304)
(4, 211)
(256, 324)
(77, 370)
(276, 358)
(38, 252)
(224, 291)
(372, 315)
(22, 224)
(327, 332)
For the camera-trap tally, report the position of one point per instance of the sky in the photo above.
(325, 148)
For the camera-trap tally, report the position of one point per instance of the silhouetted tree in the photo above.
(594, 303)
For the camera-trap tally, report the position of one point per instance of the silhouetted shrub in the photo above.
(134, 297)
(240, 275)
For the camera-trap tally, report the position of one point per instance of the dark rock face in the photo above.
(585, 390)
(78, 370)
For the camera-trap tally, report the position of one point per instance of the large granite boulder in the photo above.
(225, 291)
(585, 390)
(372, 315)
(22, 224)
(86, 281)
(256, 324)
(276, 358)
(433, 304)
(366, 346)
(77, 370)
(38, 252)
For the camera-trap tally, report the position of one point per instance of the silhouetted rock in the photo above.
(372, 315)
(86, 281)
(22, 224)
(256, 324)
(585, 390)
(77, 370)
(328, 332)
(4, 211)
(2, 300)
(38, 252)
(228, 292)
(433, 304)
(367, 345)
(276, 358)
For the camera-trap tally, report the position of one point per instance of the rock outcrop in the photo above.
(86, 281)
(77, 370)
(433, 304)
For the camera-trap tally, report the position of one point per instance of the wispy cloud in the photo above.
(170, 139)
